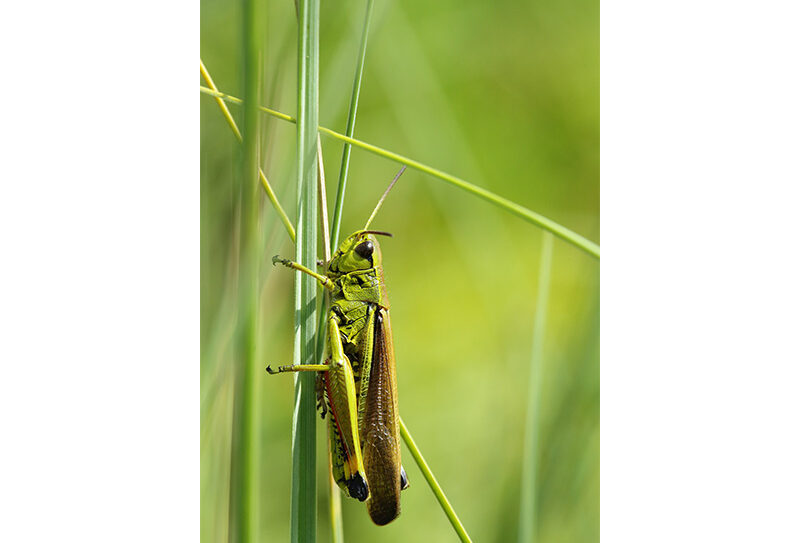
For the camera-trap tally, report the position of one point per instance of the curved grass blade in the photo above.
(523, 212)
(531, 216)
(433, 483)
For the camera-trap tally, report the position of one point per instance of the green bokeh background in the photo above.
(504, 95)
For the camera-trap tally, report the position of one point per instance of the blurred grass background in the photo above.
(505, 95)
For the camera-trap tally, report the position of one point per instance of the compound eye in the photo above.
(364, 250)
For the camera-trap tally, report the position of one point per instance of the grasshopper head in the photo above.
(360, 251)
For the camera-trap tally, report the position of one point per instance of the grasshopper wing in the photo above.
(381, 432)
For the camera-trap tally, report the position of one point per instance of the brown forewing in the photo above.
(381, 438)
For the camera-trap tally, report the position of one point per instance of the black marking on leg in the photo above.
(357, 486)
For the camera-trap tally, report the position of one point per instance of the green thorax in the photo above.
(356, 269)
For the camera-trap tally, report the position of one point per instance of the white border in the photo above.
(700, 273)
(99, 218)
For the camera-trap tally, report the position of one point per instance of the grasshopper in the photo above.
(357, 384)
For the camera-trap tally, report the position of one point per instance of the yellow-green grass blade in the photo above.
(261, 175)
(546, 223)
(433, 483)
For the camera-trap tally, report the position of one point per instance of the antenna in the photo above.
(380, 202)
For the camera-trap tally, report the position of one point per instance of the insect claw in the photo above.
(276, 259)
(403, 479)
(271, 371)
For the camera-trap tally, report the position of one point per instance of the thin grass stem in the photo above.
(287, 223)
(350, 129)
(528, 508)
(322, 331)
(238, 101)
(433, 483)
(532, 217)
(220, 102)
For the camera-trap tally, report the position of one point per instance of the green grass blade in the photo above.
(531, 216)
(550, 225)
(243, 495)
(350, 130)
(304, 485)
(261, 176)
(433, 483)
(530, 451)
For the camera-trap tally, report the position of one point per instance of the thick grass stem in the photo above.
(243, 496)
(304, 486)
